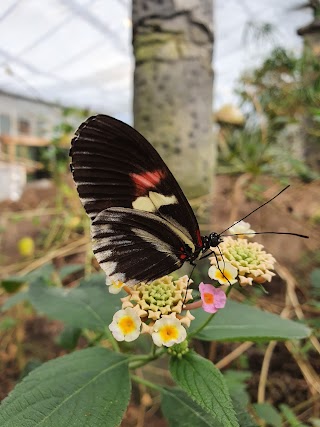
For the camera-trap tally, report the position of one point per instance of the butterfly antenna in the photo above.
(268, 232)
(259, 207)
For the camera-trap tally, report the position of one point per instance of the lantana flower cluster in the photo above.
(162, 308)
(154, 308)
(243, 261)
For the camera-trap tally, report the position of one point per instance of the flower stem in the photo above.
(138, 361)
(153, 350)
(208, 319)
(112, 340)
(202, 326)
(146, 383)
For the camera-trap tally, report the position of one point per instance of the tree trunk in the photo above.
(173, 81)
(311, 37)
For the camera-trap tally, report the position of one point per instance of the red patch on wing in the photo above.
(182, 254)
(146, 180)
(200, 243)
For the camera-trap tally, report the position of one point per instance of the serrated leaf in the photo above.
(89, 307)
(243, 416)
(86, 388)
(181, 411)
(268, 413)
(235, 381)
(290, 416)
(205, 384)
(241, 322)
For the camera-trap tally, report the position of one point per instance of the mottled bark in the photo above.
(311, 36)
(173, 80)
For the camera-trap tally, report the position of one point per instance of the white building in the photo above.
(25, 125)
(20, 115)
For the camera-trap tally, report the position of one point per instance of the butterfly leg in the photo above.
(222, 272)
(189, 281)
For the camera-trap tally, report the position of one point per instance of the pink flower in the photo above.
(212, 298)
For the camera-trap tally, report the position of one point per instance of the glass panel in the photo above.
(5, 124)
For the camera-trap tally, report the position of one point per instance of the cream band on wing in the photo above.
(153, 202)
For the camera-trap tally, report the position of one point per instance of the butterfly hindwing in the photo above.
(133, 246)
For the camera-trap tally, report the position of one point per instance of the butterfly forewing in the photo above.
(114, 166)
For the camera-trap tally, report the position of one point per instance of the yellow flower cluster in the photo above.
(253, 263)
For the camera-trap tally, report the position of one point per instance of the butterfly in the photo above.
(142, 225)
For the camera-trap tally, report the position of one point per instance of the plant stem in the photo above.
(138, 361)
(145, 382)
(208, 319)
(112, 340)
(153, 350)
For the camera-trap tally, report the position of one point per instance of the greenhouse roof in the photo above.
(78, 52)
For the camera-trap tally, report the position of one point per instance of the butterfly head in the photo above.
(211, 241)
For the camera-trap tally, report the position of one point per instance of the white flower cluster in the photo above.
(154, 309)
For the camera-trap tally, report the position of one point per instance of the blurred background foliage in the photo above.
(276, 128)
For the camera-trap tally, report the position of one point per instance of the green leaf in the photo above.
(66, 270)
(43, 273)
(205, 384)
(268, 413)
(290, 416)
(89, 307)
(14, 300)
(96, 279)
(240, 322)
(30, 366)
(315, 282)
(68, 338)
(235, 381)
(86, 388)
(243, 416)
(181, 411)
(12, 284)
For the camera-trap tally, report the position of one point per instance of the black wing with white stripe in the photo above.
(133, 246)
